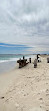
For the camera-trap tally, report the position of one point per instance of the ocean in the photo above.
(8, 61)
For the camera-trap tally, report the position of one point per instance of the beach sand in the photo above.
(26, 89)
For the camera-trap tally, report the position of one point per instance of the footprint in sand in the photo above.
(47, 90)
(47, 94)
(46, 83)
(41, 99)
(17, 105)
(7, 100)
(38, 94)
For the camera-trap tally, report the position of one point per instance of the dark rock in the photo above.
(2, 97)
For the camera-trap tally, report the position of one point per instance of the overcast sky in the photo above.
(24, 22)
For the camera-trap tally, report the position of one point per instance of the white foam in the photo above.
(12, 59)
(15, 59)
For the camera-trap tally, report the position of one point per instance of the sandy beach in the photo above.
(26, 89)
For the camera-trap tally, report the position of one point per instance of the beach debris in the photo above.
(47, 60)
(22, 62)
(29, 60)
(35, 63)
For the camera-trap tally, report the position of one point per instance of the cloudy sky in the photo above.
(24, 22)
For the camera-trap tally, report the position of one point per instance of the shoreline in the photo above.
(26, 89)
(9, 65)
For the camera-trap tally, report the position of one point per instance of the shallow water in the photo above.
(8, 62)
(7, 66)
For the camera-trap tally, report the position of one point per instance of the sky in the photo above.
(24, 22)
(14, 49)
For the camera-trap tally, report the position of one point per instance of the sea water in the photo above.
(8, 61)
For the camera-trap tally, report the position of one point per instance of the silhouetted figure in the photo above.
(47, 60)
(37, 57)
(23, 57)
(29, 60)
(35, 63)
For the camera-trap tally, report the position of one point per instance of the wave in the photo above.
(15, 59)
(9, 60)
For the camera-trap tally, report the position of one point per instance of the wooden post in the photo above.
(35, 63)
(47, 60)
(22, 62)
(37, 57)
(29, 60)
(23, 57)
(20, 65)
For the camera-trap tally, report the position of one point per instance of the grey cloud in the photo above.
(24, 21)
